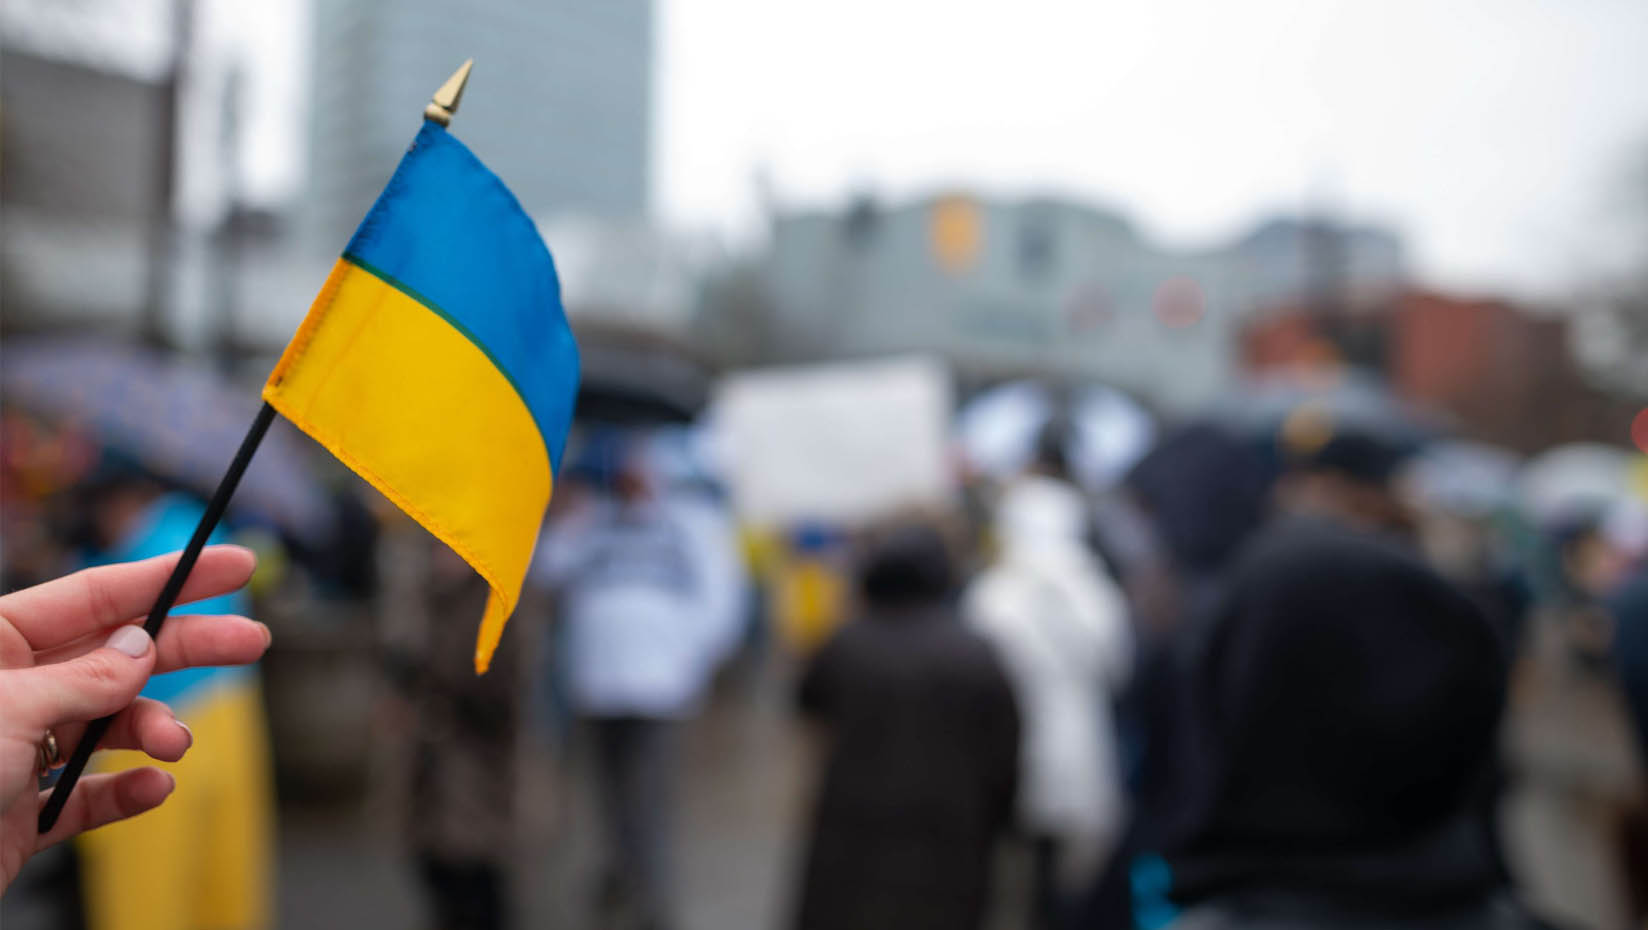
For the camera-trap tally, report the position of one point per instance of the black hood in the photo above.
(1345, 700)
(905, 567)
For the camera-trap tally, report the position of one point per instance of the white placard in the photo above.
(842, 443)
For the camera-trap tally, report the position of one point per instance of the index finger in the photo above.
(94, 599)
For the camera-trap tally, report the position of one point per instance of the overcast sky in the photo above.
(1494, 133)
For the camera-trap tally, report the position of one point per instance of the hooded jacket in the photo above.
(1344, 702)
(1060, 625)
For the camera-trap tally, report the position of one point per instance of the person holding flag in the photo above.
(69, 653)
(437, 363)
(207, 859)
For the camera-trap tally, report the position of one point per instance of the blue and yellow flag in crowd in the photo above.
(437, 363)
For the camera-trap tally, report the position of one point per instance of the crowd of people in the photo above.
(1245, 698)
(1246, 687)
(1238, 689)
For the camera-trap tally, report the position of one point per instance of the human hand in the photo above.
(73, 650)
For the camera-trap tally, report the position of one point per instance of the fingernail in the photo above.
(131, 640)
(268, 636)
(186, 731)
(171, 782)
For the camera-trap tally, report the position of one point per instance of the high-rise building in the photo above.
(559, 105)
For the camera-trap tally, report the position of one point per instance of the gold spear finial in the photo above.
(445, 102)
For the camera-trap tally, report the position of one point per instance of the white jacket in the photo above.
(1060, 625)
(652, 598)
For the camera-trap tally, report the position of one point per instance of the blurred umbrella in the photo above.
(1112, 433)
(1576, 481)
(179, 420)
(1346, 401)
(639, 384)
(997, 430)
(1203, 489)
(1469, 478)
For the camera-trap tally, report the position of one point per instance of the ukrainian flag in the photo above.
(437, 363)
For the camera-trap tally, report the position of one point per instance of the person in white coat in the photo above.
(650, 594)
(1060, 625)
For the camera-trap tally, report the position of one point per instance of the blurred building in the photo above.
(1006, 287)
(1503, 373)
(559, 105)
(83, 159)
(122, 144)
(629, 272)
(1610, 337)
(122, 135)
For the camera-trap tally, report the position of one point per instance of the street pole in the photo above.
(152, 324)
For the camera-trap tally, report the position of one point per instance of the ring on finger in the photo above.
(51, 757)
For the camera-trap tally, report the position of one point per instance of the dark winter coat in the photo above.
(1343, 701)
(919, 774)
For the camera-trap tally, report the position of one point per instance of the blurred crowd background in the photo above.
(898, 326)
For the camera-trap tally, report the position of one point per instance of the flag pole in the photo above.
(441, 108)
(162, 606)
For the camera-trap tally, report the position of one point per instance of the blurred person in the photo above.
(650, 593)
(1341, 473)
(1344, 705)
(1590, 567)
(1471, 551)
(207, 859)
(1629, 605)
(812, 587)
(1626, 528)
(1060, 625)
(71, 651)
(1574, 791)
(920, 753)
(457, 729)
(1199, 496)
(38, 462)
(1201, 492)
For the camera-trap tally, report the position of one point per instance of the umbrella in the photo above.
(1579, 480)
(1468, 478)
(676, 456)
(1112, 433)
(639, 384)
(997, 430)
(180, 420)
(1347, 401)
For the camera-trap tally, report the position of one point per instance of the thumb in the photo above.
(86, 687)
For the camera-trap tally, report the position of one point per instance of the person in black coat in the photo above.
(1630, 647)
(921, 763)
(1344, 702)
(1201, 493)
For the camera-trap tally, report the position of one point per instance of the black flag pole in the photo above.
(162, 606)
(441, 108)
